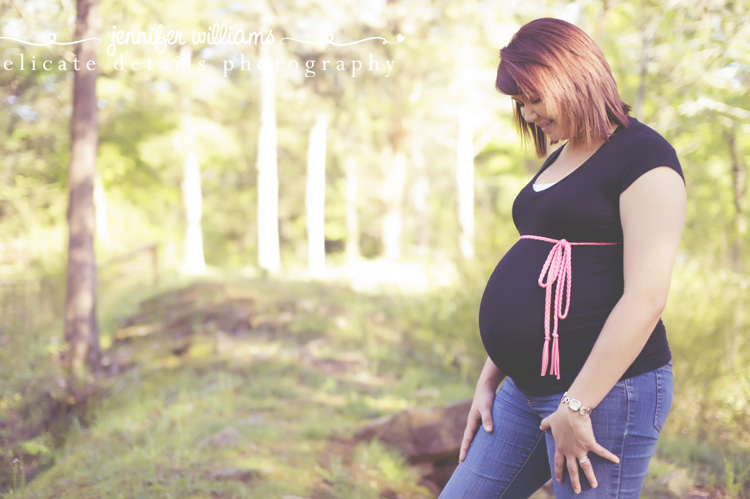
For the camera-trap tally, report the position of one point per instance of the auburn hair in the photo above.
(556, 61)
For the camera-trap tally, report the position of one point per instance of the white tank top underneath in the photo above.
(541, 187)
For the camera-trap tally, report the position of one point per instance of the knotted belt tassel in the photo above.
(557, 268)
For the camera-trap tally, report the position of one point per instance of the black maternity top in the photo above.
(582, 207)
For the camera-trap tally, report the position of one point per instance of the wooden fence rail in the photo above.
(27, 303)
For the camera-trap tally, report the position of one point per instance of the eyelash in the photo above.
(535, 101)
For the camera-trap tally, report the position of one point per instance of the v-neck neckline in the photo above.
(556, 154)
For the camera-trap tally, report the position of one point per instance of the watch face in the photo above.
(574, 405)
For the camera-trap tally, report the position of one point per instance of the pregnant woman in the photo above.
(571, 314)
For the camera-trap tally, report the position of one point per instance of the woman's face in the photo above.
(535, 111)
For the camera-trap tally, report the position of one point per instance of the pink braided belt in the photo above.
(557, 268)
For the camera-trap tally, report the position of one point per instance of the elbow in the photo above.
(649, 305)
(656, 306)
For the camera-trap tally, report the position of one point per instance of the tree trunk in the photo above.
(315, 197)
(194, 261)
(269, 258)
(421, 196)
(648, 33)
(81, 328)
(394, 193)
(600, 27)
(352, 209)
(100, 208)
(739, 191)
(465, 181)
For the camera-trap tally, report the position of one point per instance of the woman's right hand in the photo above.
(480, 413)
(481, 406)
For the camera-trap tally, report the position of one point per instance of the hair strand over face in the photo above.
(554, 60)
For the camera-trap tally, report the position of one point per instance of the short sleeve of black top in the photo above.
(582, 207)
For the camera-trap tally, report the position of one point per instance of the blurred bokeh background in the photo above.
(283, 256)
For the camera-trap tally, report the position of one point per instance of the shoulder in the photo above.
(648, 182)
(643, 149)
(642, 135)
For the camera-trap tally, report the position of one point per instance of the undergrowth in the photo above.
(189, 408)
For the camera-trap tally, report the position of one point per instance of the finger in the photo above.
(471, 429)
(575, 481)
(545, 425)
(487, 420)
(559, 463)
(601, 451)
(588, 471)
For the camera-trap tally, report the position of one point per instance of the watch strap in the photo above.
(575, 405)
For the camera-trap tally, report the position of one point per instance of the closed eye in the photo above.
(533, 101)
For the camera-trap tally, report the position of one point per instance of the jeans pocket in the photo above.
(664, 387)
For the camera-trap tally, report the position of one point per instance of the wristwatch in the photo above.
(575, 405)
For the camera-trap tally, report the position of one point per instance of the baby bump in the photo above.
(512, 310)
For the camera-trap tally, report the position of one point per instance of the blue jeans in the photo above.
(516, 459)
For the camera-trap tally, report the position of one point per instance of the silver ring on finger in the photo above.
(583, 460)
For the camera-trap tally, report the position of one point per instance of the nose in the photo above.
(528, 114)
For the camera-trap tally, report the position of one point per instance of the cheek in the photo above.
(564, 127)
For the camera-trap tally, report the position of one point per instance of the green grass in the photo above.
(287, 392)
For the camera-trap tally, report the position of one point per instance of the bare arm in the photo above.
(652, 212)
(491, 376)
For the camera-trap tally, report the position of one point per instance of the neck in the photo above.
(578, 145)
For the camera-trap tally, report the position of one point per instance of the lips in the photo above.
(545, 125)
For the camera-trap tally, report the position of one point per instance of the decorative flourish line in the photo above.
(329, 40)
(51, 40)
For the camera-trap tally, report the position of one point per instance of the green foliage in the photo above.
(717, 380)
(735, 478)
(391, 465)
(157, 430)
(30, 408)
(37, 446)
(344, 356)
(685, 66)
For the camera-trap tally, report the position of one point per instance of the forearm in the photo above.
(491, 376)
(621, 340)
(652, 213)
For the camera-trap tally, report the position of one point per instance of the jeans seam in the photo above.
(620, 467)
(518, 473)
(658, 400)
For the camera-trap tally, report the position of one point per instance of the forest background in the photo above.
(394, 181)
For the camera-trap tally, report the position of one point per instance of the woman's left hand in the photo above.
(574, 439)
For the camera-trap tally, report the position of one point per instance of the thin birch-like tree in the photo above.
(315, 197)
(465, 181)
(194, 261)
(269, 258)
(81, 328)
